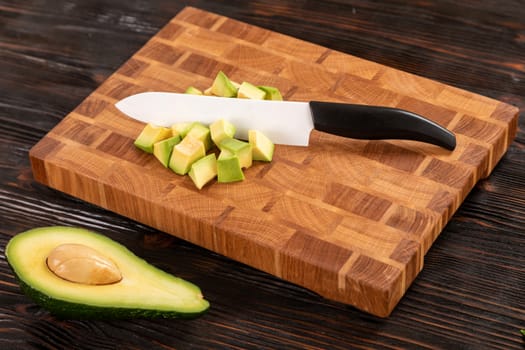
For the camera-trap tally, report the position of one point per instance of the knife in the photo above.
(287, 122)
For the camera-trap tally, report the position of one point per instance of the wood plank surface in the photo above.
(349, 219)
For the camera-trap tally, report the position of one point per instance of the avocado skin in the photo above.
(67, 310)
(63, 309)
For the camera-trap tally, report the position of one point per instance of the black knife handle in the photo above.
(375, 123)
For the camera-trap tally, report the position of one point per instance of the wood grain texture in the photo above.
(350, 220)
(469, 295)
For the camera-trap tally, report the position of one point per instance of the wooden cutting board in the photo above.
(349, 219)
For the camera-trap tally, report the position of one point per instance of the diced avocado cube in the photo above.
(222, 86)
(262, 146)
(202, 133)
(221, 129)
(236, 84)
(181, 128)
(240, 148)
(150, 135)
(162, 149)
(185, 153)
(203, 170)
(207, 92)
(229, 167)
(248, 90)
(272, 93)
(193, 91)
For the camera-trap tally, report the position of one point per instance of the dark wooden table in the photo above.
(470, 295)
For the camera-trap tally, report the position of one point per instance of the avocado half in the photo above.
(143, 292)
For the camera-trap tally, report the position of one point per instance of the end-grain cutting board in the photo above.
(349, 219)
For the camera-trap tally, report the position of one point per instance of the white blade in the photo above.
(284, 122)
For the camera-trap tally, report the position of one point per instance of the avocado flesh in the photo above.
(229, 167)
(181, 128)
(144, 291)
(203, 170)
(220, 130)
(262, 147)
(150, 135)
(272, 93)
(162, 149)
(185, 153)
(201, 132)
(243, 150)
(192, 90)
(248, 90)
(223, 87)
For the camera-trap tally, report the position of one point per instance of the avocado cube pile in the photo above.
(223, 86)
(205, 152)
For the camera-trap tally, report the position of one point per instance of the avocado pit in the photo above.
(79, 263)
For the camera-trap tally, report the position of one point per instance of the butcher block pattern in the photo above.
(349, 219)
